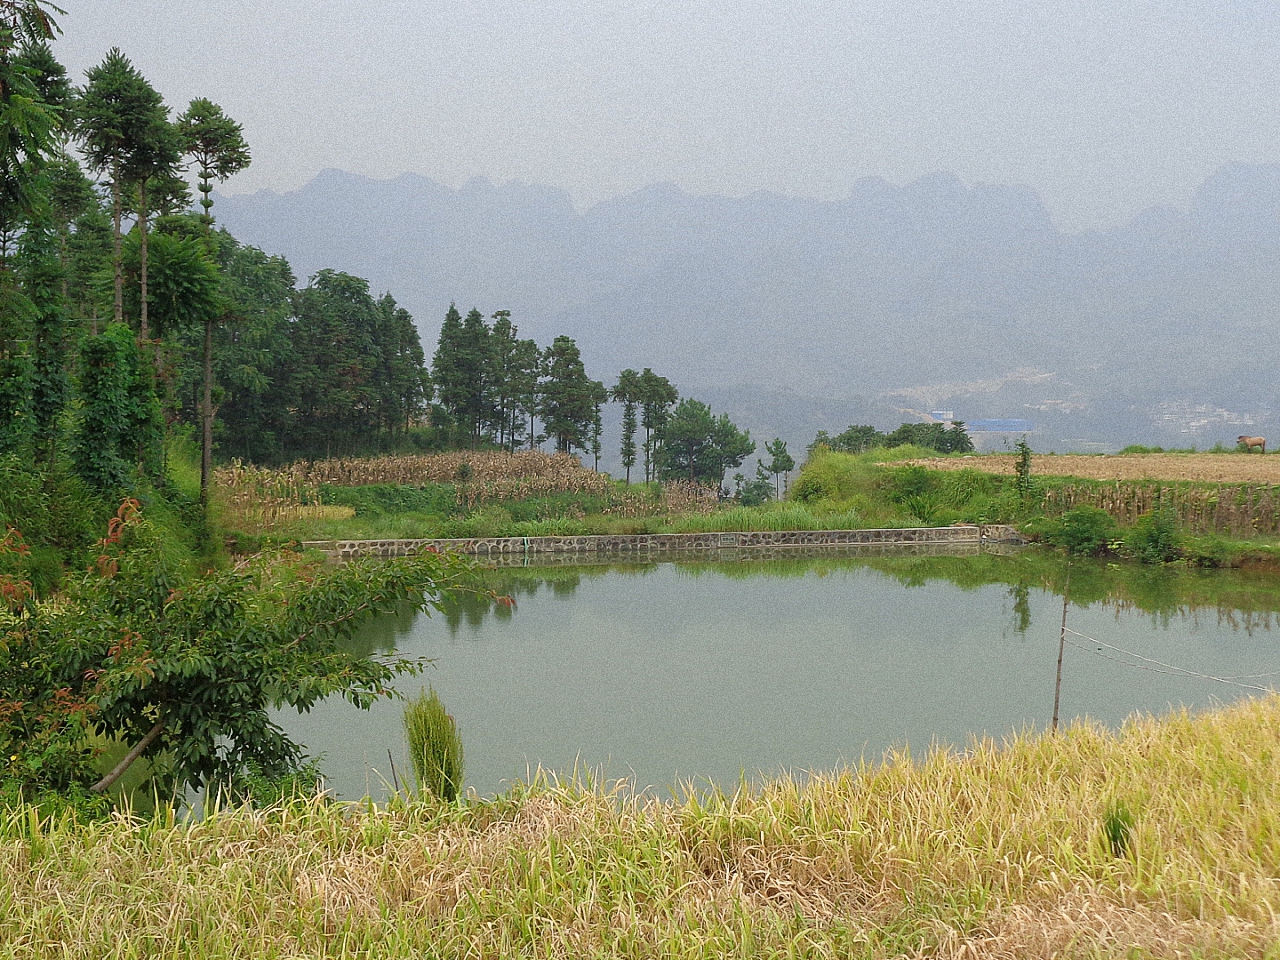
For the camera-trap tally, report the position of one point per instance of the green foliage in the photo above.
(435, 748)
(627, 391)
(325, 370)
(1022, 470)
(752, 493)
(569, 398)
(217, 144)
(1117, 828)
(378, 500)
(104, 443)
(183, 285)
(657, 395)
(1084, 530)
(1154, 538)
(780, 462)
(144, 649)
(1139, 448)
(695, 445)
(813, 487)
(932, 436)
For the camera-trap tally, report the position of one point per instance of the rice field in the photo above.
(1161, 839)
(1194, 467)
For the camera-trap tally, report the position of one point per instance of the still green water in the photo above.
(667, 673)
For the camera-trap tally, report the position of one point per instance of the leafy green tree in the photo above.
(71, 197)
(600, 396)
(217, 144)
(115, 116)
(698, 446)
(627, 391)
(523, 375)
(404, 384)
(335, 350)
(43, 280)
(730, 446)
(154, 157)
(448, 367)
(657, 395)
(184, 284)
(780, 462)
(258, 371)
(854, 439)
(30, 137)
(476, 362)
(187, 669)
(502, 374)
(105, 443)
(936, 436)
(30, 125)
(568, 397)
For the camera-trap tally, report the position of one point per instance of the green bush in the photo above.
(1154, 538)
(1084, 530)
(811, 487)
(383, 499)
(435, 748)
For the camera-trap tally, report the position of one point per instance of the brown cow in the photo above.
(1250, 442)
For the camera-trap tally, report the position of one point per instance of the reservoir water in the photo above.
(669, 673)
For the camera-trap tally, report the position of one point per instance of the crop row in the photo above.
(1191, 467)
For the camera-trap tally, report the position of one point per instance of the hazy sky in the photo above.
(1103, 106)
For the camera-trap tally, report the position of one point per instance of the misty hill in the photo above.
(797, 315)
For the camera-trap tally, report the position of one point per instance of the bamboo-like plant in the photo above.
(435, 748)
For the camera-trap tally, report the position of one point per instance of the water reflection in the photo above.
(716, 670)
(1242, 600)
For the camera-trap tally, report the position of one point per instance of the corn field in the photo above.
(261, 497)
(267, 497)
(559, 471)
(677, 497)
(1237, 511)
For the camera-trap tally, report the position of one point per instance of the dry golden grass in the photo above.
(1198, 467)
(997, 852)
(250, 497)
(561, 470)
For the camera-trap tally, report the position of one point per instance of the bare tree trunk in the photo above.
(115, 201)
(118, 770)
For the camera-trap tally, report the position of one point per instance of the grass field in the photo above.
(1160, 840)
(1198, 467)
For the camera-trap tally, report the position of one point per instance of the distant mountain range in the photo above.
(797, 315)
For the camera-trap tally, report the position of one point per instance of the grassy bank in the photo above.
(1160, 840)
(310, 506)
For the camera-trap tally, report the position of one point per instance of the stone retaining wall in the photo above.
(650, 546)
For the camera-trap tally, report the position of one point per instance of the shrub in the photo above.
(1154, 538)
(1084, 530)
(810, 488)
(435, 749)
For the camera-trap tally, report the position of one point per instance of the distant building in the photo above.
(1001, 426)
(943, 416)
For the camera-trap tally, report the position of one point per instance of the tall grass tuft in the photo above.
(1117, 825)
(435, 748)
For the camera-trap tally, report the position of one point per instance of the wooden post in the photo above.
(1062, 645)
